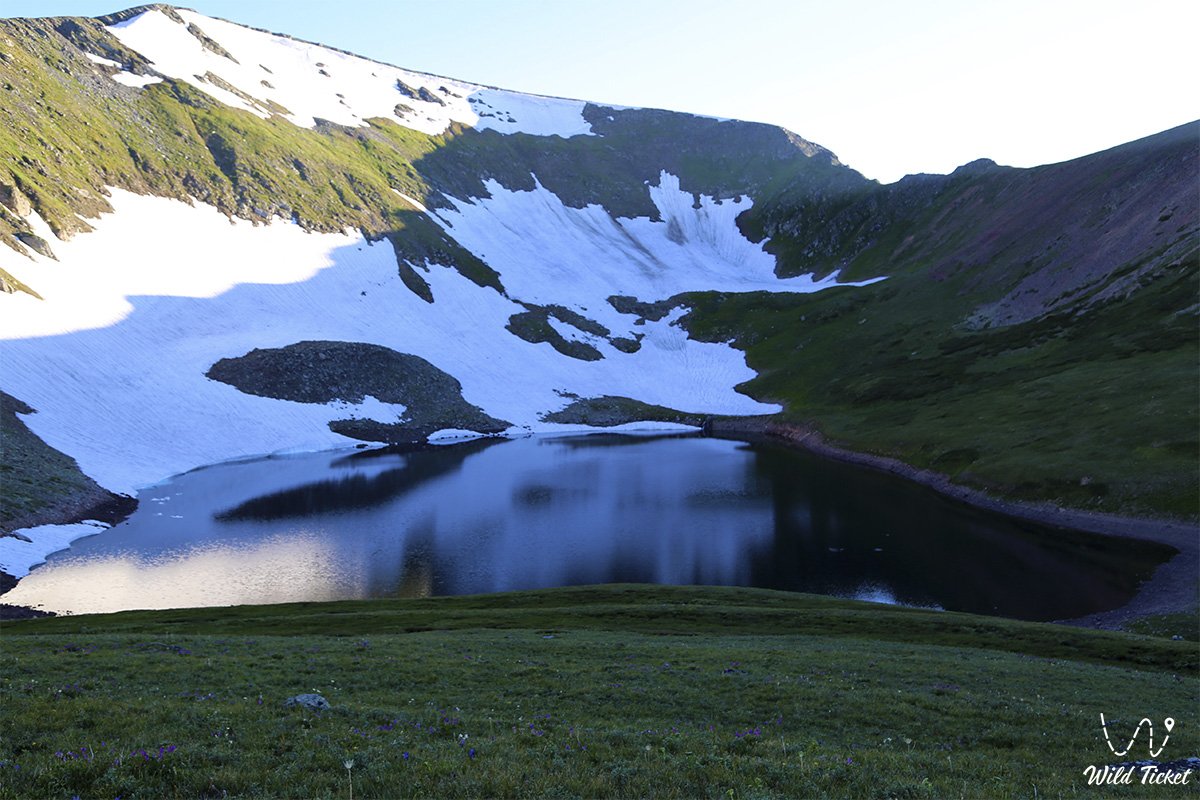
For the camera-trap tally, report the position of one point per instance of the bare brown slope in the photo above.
(1036, 336)
(1028, 241)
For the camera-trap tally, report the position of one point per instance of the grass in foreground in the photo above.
(608, 691)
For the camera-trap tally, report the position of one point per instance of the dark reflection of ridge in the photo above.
(358, 458)
(588, 441)
(418, 574)
(932, 552)
(551, 512)
(354, 492)
(536, 495)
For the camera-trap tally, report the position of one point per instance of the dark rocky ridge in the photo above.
(608, 411)
(1030, 241)
(533, 325)
(40, 485)
(323, 372)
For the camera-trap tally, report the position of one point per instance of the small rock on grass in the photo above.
(313, 701)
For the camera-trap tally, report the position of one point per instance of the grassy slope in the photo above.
(1090, 402)
(1097, 413)
(610, 691)
(68, 131)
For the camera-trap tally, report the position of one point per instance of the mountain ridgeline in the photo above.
(1031, 332)
(70, 132)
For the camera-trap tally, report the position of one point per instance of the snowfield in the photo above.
(547, 252)
(135, 313)
(313, 82)
(113, 358)
(30, 546)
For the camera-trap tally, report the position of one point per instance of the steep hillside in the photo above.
(284, 246)
(182, 117)
(248, 200)
(1037, 335)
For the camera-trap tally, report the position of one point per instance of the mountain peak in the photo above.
(171, 12)
(975, 167)
(270, 74)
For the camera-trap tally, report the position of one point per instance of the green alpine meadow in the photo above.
(606, 691)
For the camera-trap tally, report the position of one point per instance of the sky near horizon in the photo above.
(891, 87)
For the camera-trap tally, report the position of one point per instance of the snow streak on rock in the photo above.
(267, 73)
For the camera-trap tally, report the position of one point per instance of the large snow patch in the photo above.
(114, 358)
(313, 82)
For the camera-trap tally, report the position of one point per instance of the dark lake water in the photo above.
(494, 515)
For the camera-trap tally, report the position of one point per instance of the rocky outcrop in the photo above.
(607, 412)
(42, 485)
(312, 702)
(325, 372)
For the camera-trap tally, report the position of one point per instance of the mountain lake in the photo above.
(494, 515)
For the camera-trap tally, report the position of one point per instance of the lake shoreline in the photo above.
(1172, 588)
(111, 510)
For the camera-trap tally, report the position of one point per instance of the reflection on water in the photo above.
(493, 516)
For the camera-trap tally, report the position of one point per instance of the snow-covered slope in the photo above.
(534, 272)
(266, 73)
(114, 359)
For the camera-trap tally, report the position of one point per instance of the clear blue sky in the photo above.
(891, 87)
